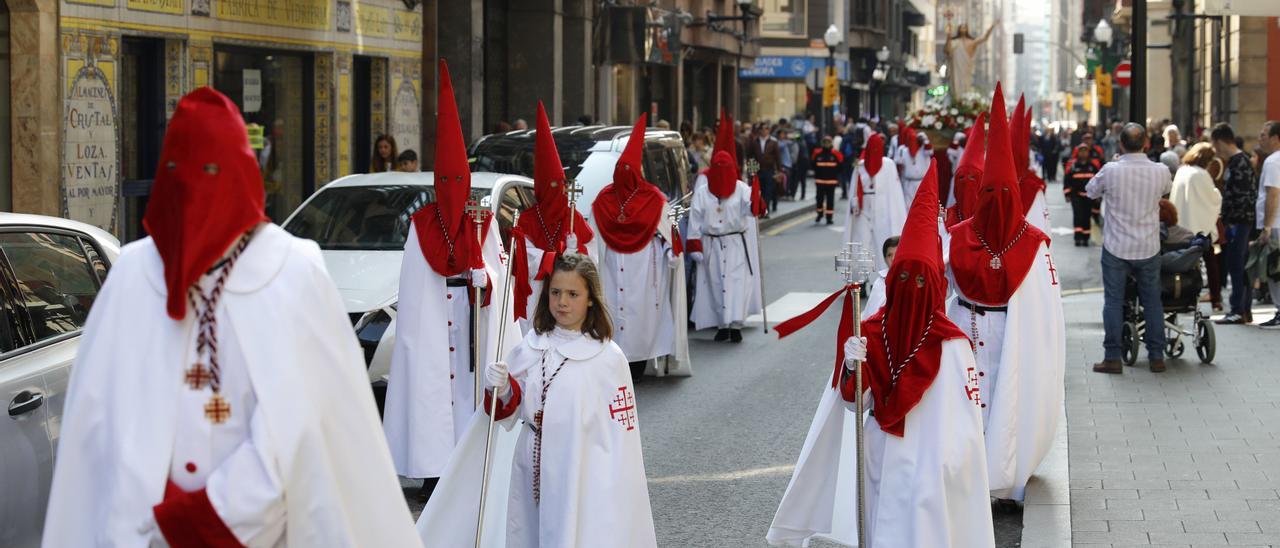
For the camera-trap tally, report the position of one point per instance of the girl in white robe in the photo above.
(577, 472)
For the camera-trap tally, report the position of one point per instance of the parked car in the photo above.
(589, 154)
(50, 272)
(361, 223)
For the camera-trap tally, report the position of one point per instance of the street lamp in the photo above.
(1081, 72)
(832, 38)
(1102, 32)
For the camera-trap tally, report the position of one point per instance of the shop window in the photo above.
(783, 18)
(274, 90)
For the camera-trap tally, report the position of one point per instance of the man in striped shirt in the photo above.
(1130, 189)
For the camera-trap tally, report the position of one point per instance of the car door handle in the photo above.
(25, 402)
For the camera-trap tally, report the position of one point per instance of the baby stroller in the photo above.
(1181, 283)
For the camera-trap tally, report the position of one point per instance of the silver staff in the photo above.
(753, 167)
(493, 405)
(478, 212)
(573, 190)
(854, 266)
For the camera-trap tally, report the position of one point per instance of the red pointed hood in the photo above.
(1020, 138)
(907, 136)
(207, 193)
(1030, 184)
(725, 141)
(968, 177)
(904, 350)
(546, 224)
(997, 226)
(628, 210)
(873, 154)
(445, 235)
(722, 176)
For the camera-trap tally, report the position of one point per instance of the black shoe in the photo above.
(722, 335)
(829, 221)
(819, 219)
(637, 371)
(1231, 319)
(428, 486)
(1273, 323)
(735, 335)
(1004, 506)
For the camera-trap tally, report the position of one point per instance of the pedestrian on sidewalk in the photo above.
(1050, 146)
(800, 169)
(219, 396)
(1009, 305)
(787, 148)
(1131, 189)
(1084, 164)
(1199, 204)
(1268, 206)
(1239, 198)
(764, 149)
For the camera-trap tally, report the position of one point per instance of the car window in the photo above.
(55, 281)
(512, 202)
(657, 164)
(363, 217)
(513, 153)
(95, 260)
(10, 321)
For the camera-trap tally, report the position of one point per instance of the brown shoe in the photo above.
(1157, 366)
(1108, 366)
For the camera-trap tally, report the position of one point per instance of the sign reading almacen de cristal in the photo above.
(90, 163)
(303, 14)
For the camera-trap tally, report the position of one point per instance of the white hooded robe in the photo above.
(883, 211)
(728, 278)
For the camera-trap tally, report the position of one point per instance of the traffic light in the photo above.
(1017, 43)
(1104, 87)
(1069, 100)
(830, 88)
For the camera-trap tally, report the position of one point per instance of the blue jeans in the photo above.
(1115, 273)
(1235, 252)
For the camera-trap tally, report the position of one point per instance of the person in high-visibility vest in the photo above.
(826, 176)
(1085, 162)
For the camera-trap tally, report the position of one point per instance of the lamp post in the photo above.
(880, 74)
(832, 38)
(1103, 34)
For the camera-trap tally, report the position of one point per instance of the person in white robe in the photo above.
(1030, 185)
(1009, 305)
(913, 157)
(576, 472)
(432, 386)
(641, 273)
(877, 211)
(722, 240)
(546, 225)
(201, 406)
(924, 463)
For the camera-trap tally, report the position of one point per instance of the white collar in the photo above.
(256, 267)
(580, 349)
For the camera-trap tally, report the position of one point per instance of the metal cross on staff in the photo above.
(478, 212)
(854, 264)
(573, 190)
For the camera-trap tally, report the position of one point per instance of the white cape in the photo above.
(925, 490)
(1038, 215)
(728, 287)
(594, 491)
(657, 310)
(883, 212)
(308, 375)
(1021, 365)
(420, 420)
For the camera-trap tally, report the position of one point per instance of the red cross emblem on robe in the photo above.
(622, 408)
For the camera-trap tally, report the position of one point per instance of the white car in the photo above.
(361, 223)
(50, 272)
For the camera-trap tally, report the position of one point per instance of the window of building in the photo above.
(783, 18)
(274, 90)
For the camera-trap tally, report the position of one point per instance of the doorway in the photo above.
(142, 125)
(362, 113)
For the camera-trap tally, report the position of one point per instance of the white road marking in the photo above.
(727, 476)
(789, 306)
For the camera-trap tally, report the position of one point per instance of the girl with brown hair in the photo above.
(384, 154)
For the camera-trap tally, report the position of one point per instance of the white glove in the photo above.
(672, 260)
(696, 256)
(571, 243)
(496, 376)
(855, 350)
(853, 207)
(479, 278)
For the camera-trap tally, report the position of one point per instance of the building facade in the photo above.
(316, 80)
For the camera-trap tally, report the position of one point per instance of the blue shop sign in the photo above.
(790, 67)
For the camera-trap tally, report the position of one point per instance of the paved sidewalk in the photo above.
(1185, 458)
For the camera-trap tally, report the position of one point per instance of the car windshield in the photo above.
(514, 153)
(363, 217)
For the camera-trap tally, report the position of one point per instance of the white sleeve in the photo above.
(696, 214)
(247, 492)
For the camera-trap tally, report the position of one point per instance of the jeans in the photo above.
(768, 189)
(1235, 251)
(1115, 274)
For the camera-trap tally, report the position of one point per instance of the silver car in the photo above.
(50, 272)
